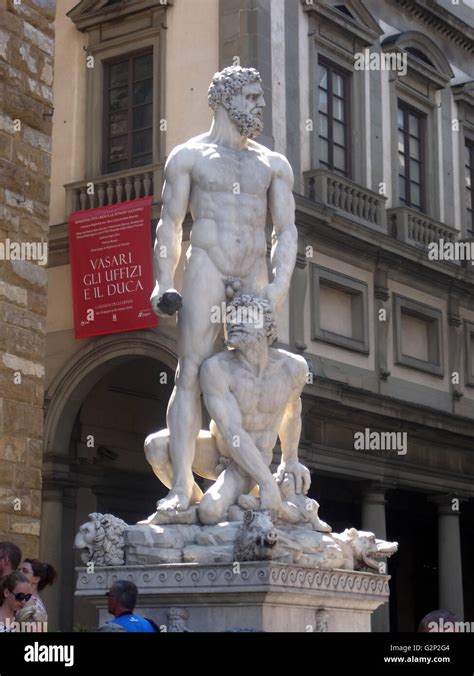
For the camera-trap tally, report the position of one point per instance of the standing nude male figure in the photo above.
(226, 180)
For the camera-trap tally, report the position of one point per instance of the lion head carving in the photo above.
(100, 540)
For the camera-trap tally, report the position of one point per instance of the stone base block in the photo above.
(259, 596)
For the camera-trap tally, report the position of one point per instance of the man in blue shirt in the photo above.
(122, 599)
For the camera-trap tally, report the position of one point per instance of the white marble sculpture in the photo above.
(101, 540)
(254, 538)
(226, 180)
(177, 620)
(252, 391)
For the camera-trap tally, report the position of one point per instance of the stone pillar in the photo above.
(68, 555)
(449, 556)
(373, 519)
(382, 320)
(27, 49)
(51, 547)
(299, 282)
(455, 351)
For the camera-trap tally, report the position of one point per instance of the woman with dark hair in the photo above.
(15, 592)
(40, 575)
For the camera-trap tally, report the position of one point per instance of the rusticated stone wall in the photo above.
(26, 106)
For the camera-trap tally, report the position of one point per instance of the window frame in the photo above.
(408, 110)
(426, 313)
(469, 143)
(347, 105)
(134, 33)
(354, 287)
(469, 332)
(106, 64)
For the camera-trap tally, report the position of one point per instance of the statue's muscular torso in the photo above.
(228, 203)
(262, 401)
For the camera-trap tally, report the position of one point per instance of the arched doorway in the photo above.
(100, 408)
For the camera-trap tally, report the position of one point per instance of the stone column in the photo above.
(299, 282)
(51, 547)
(455, 345)
(68, 554)
(382, 320)
(449, 555)
(373, 519)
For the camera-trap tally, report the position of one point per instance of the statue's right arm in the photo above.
(175, 201)
(224, 409)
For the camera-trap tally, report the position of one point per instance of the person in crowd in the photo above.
(122, 599)
(40, 575)
(439, 620)
(31, 618)
(15, 592)
(10, 557)
(110, 627)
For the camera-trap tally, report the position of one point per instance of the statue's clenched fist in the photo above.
(167, 303)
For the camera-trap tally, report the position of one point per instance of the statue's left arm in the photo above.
(285, 234)
(289, 433)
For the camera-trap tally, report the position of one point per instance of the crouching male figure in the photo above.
(252, 392)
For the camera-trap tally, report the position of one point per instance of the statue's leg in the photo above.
(203, 288)
(157, 453)
(222, 494)
(207, 456)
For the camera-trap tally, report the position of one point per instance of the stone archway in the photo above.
(94, 362)
(68, 389)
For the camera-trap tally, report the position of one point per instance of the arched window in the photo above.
(418, 140)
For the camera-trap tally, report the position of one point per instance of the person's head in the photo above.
(10, 557)
(15, 591)
(249, 321)
(122, 597)
(239, 92)
(438, 620)
(39, 574)
(31, 618)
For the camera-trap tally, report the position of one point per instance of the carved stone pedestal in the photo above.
(262, 596)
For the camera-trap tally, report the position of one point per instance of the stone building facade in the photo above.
(26, 109)
(383, 161)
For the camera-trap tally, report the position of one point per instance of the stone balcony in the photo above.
(349, 198)
(418, 229)
(121, 186)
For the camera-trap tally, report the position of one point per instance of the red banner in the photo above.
(111, 268)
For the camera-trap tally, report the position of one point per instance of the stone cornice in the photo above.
(439, 18)
(440, 73)
(89, 14)
(464, 93)
(254, 577)
(363, 26)
(368, 244)
(325, 393)
(363, 466)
